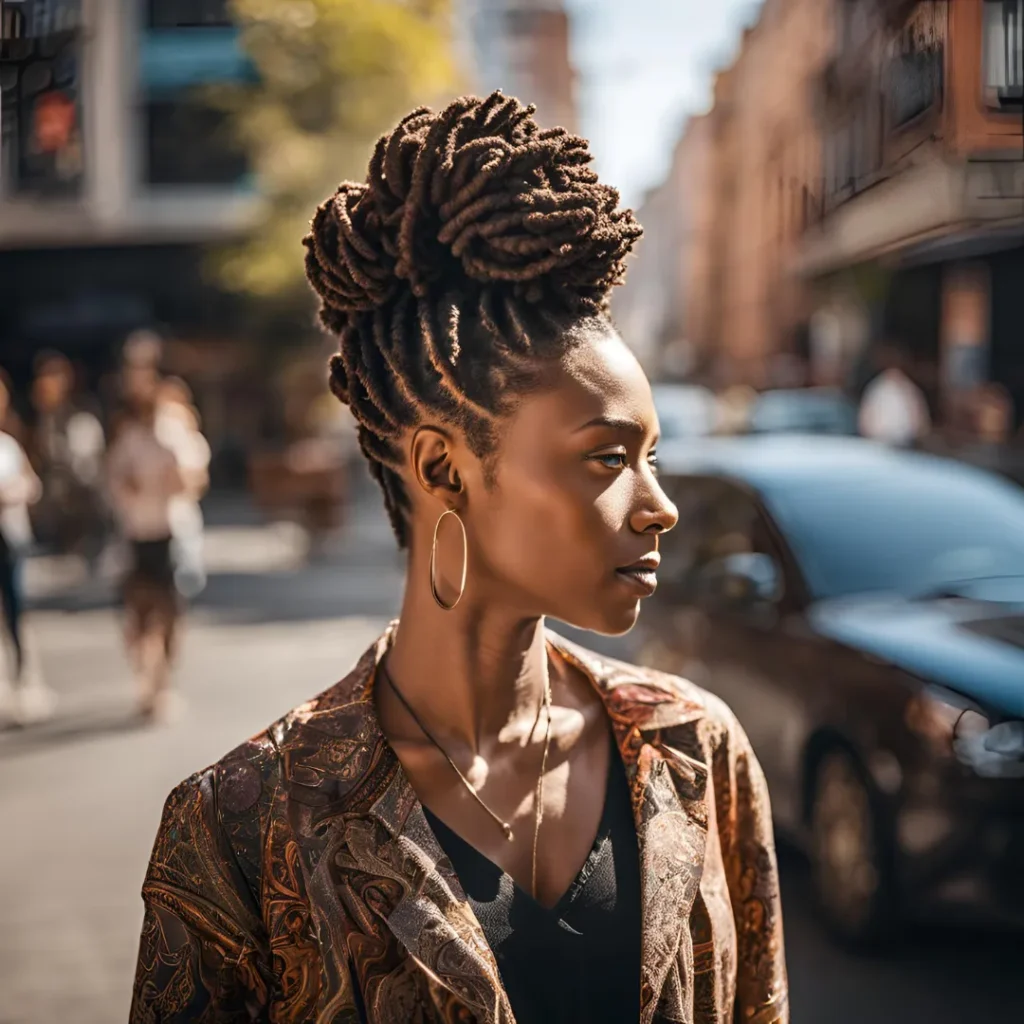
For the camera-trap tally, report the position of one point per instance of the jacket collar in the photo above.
(357, 821)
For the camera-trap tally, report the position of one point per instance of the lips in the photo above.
(641, 575)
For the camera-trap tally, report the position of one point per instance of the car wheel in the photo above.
(849, 848)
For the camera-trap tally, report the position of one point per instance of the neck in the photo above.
(469, 673)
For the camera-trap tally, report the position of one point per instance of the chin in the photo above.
(608, 621)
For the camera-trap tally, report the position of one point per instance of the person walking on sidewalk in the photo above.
(68, 448)
(482, 821)
(145, 477)
(24, 697)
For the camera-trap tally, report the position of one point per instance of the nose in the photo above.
(655, 514)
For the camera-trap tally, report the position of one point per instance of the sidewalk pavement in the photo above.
(80, 797)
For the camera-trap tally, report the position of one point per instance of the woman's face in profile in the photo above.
(575, 500)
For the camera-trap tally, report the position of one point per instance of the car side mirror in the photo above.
(741, 582)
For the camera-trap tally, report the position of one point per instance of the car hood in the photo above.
(973, 647)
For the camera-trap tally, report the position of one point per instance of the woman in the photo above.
(145, 475)
(482, 821)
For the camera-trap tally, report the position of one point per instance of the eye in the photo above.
(652, 461)
(611, 460)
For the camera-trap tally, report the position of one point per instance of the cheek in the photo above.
(552, 532)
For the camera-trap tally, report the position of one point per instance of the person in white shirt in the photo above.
(24, 697)
(177, 427)
(893, 409)
(145, 476)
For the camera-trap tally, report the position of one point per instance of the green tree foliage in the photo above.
(331, 76)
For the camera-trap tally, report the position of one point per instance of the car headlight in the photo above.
(996, 753)
(954, 727)
(940, 718)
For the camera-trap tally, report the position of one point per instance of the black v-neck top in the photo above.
(578, 961)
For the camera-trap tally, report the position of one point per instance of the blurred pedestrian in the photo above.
(993, 414)
(139, 376)
(418, 843)
(178, 428)
(24, 697)
(893, 408)
(67, 449)
(145, 477)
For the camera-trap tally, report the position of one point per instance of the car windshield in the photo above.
(910, 529)
(808, 412)
(684, 411)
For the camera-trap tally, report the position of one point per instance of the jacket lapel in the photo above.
(668, 788)
(365, 843)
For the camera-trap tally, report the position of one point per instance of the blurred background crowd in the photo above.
(829, 299)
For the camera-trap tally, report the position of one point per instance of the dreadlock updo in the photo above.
(476, 248)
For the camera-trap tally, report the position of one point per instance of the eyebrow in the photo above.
(614, 422)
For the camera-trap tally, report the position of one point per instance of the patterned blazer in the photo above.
(297, 879)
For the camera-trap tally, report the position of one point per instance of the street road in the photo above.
(80, 798)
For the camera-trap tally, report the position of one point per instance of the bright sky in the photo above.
(644, 65)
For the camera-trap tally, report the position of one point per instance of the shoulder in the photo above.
(237, 796)
(652, 698)
(200, 812)
(242, 784)
(659, 702)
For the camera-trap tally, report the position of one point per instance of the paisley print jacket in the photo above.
(297, 880)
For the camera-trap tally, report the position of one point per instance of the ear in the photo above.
(432, 457)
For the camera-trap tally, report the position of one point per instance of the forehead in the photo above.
(598, 377)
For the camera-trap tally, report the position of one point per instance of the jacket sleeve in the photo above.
(201, 957)
(748, 848)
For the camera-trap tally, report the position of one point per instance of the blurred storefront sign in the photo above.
(55, 120)
(171, 59)
(41, 138)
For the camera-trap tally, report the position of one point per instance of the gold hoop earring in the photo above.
(433, 561)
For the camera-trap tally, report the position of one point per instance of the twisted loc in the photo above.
(475, 241)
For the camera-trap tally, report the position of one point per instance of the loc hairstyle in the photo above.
(477, 247)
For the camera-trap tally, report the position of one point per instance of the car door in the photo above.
(749, 654)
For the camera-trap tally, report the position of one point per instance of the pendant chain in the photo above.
(506, 828)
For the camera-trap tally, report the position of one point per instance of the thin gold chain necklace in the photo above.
(506, 828)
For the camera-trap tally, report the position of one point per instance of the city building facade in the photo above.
(662, 308)
(921, 239)
(744, 184)
(523, 48)
(766, 188)
(116, 173)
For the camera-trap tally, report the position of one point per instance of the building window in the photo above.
(1004, 54)
(188, 13)
(188, 142)
(914, 72)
